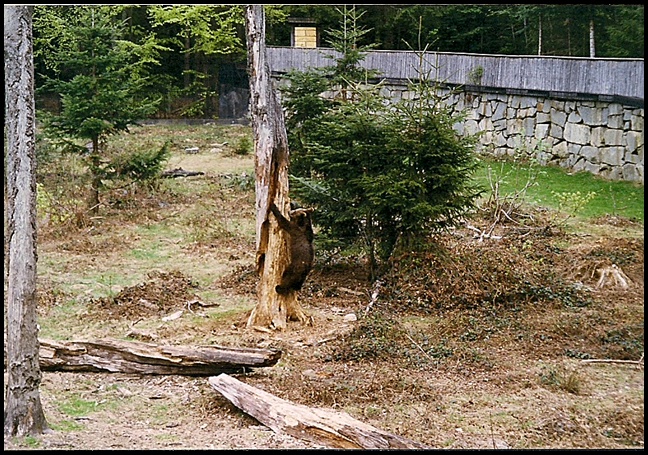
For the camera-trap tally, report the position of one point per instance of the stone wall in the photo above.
(600, 137)
(606, 139)
(583, 114)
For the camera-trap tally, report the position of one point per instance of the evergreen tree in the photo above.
(624, 35)
(100, 83)
(380, 175)
(203, 37)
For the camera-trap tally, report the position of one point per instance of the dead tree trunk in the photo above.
(273, 310)
(112, 356)
(332, 429)
(23, 411)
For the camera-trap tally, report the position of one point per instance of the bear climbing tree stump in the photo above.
(273, 310)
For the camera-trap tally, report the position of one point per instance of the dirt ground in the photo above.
(529, 339)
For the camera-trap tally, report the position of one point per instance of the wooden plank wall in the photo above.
(613, 77)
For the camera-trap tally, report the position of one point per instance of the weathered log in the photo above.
(117, 356)
(179, 172)
(332, 429)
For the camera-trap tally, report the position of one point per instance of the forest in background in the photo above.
(189, 53)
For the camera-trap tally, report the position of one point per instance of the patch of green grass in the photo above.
(56, 325)
(243, 146)
(30, 442)
(151, 253)
(175, 189)
(75, 406)
(560, 378)
(239, 307)
(67, 426)
(167, 438)
(110, 283)
(154, 231)
(182, 135)
(242, 227)
(551, 184)
(159, 414)
(151, 248)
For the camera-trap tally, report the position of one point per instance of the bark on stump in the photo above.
(273, 310)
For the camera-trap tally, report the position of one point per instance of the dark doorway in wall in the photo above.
(234, 92)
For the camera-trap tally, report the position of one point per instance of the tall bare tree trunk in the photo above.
(95, 186)
(187, 63)
(273, 310)
(539, 35)
(592, 47)
(23, 411)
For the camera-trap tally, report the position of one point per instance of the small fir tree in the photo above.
(100, 84)
(380, 174)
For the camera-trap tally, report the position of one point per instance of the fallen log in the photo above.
(179, 172)
(117, 356)
(332, 429)
(632, 362)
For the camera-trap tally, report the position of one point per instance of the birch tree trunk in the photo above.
(273, 310)
(539, 35)
(23, 411)
(592, 46)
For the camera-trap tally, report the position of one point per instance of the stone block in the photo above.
(560, 149)
(558, 117)
(556, 131)
(596, 137)
(591, 116)
(590, 153)
(613, 137)
(633, 140)
(612, 156)
(576, 133)
(541, 131)
(615, 121)
(574, 118)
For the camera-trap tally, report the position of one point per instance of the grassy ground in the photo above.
(561, 190)
(481, 341)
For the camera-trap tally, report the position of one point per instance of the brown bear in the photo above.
(300, 248)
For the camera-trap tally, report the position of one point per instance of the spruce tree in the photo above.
(100, 85)
(380, 174)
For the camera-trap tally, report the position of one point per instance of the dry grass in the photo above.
(473, 344)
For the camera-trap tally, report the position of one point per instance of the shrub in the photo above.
(380, 175)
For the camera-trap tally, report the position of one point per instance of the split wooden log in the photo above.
(332, 429)
(632, 362)
(117, 356)
(179, 172)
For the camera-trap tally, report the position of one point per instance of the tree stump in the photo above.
(273, 310)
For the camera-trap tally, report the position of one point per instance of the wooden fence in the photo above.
(583, 114)
(611, 80)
